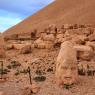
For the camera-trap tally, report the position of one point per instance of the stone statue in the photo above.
(66, 65)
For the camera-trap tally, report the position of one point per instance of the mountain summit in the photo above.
(59, 12)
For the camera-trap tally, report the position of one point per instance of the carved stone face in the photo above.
(68, 73)
(66, 65)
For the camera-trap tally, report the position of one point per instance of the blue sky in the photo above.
(14, 11)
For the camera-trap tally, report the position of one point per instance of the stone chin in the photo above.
(69, 80)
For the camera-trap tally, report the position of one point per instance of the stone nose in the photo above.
(68, 73)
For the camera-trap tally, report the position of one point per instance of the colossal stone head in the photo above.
(66, 64)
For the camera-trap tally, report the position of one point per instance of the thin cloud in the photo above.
(14, 11)
(24, 7)
(6, 22)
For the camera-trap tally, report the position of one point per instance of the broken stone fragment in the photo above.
(91, 44)
(83, 48)
(84, 52)
(18, 46)
(48, 37)
(26, 49)
(92, 37)
(9, 46)
(39, 43)
(34, 88)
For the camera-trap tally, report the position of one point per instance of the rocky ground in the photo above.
(39, 54)
(86, 86)
(17, 82)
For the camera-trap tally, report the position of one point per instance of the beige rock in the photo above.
(18, 46)
(84, 52)
(59, 36)
(88, 31)
(68, 38)
(91, 44)
(80, 31)
(49, 37)
(52, 28)
(68, 26)
(39, 44)
(85, 55)
(79, 39)
(9, 46)
(48, 44)
(34, 88)
(26, 49)
(83, 48)
(71, 32)
(59, 41)
(43, 44)
(66, 64)
(92, 37)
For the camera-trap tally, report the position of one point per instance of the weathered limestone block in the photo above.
(67, 33)
(9, 46)
(48, 44)
(84, 52)
(91, 44)
(80, 31)
(92, 37)
(52, 28)
(61, 31)
(18, 46)
(88, 31)
(48, 37)
(58, 41)
(66, 64)
(58, 36)
(68, 26)
(83, 48)
(39, 43)
(79, 39)
(85, 55)
(26, 49)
